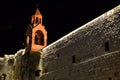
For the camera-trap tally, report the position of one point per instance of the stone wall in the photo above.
(90, 52)
(27, 66)
(18, 65)
(6, 67)
(21, 66)
(104, 67)
(2, 61)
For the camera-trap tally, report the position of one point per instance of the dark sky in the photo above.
(59, 18)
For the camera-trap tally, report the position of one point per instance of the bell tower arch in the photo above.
(36, 37)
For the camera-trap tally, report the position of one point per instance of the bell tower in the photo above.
(36, 36)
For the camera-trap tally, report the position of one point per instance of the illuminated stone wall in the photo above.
(27, 66)
(91, 52)
(6, 67)
(2, 61)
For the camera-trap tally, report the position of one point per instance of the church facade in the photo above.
(91, 52)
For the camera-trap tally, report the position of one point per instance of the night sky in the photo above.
(59, 18)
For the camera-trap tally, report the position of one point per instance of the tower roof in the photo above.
(37, 12)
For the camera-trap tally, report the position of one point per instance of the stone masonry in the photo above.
(91, 52)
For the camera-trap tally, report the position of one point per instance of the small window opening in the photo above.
(73, 59)
(37, 20)
(107, 46)
(109, 78)
(37, 73)
(116, 74)
(78, 71)
(40, 21)
(94, 66)
(45, 70)
(58, 55)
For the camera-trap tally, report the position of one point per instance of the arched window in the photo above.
(40, 21)
(37, 21)
(39, 38)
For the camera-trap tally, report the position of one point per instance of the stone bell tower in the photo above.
(36, 36)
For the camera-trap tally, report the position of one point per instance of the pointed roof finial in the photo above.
(37, 10)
